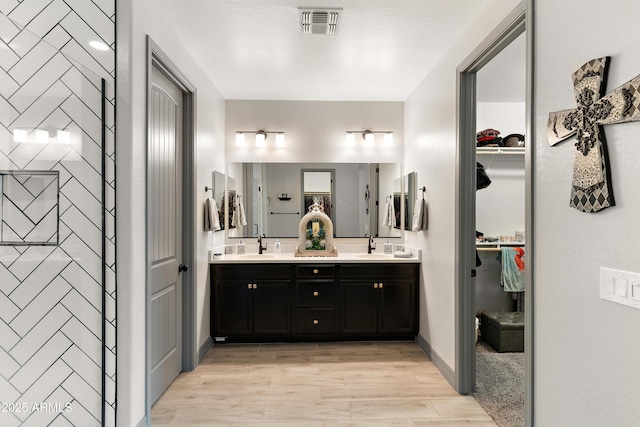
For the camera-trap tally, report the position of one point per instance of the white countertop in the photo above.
(289, 258)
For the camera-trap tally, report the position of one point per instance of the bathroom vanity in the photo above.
(278, 297)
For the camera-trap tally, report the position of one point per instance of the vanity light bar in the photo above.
(369, 138)
(261, 137)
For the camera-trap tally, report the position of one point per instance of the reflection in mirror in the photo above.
(274, 197)
(317, 187)
(406, 187)
(231, 205)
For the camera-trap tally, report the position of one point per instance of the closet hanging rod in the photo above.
(284, 213)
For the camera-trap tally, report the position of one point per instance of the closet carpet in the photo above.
(500, 385)
(372, 384)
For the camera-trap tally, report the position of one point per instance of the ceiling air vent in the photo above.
(319, 21)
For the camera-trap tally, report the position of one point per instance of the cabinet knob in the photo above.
(381, 285)
(249, 286)
(316, 293)
(315, 321)
(255, 286)
(375, 286)
(315, 271)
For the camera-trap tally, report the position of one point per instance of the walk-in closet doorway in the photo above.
(517, 24)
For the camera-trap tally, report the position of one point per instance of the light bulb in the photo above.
(368, 139)
(64, 137)
(261, 138)
(42, 136)
(20, 135)
(240, 139)
(351, 139)
(280, 140)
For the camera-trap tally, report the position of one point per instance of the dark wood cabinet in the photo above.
(256, 303)
(264, 302)
(379, 301)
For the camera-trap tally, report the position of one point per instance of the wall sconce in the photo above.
(369, 138)
(261, 138)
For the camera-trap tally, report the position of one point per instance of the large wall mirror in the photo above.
(275, 196)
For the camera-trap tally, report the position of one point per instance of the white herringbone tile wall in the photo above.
(57, 339)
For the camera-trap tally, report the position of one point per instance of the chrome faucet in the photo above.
(260, 248)
(370, 246)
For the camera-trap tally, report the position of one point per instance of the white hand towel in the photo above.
(214, 215)
(419, 220)
(385, 215)
(242, 219)
(416, 222)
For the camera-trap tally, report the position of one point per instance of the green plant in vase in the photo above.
(315, 236)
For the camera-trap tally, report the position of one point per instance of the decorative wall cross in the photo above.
(591, 189)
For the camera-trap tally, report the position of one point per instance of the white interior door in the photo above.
(164, 241)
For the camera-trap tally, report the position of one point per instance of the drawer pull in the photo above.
(249, 286)
(381, 285)
(255, 286)
(315, 321)
(316, 293)
(315, 271)
(375, 286)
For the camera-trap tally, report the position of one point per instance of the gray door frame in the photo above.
(157, 58)
(517, 22)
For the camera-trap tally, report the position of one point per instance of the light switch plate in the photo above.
(622, 287)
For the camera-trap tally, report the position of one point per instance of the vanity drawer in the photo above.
(315, 271)
(251, 271)
(316, 293)
(397, 271)
(315, 321)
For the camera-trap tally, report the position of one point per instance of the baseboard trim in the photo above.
(442, 366)
(204, 349)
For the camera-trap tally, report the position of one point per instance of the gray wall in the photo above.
(586, 349)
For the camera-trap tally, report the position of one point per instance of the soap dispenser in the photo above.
(240, 248)
(276, 246)
(388, 248)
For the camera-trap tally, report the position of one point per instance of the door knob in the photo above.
(182, 267)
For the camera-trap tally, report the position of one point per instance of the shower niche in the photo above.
(29, 207)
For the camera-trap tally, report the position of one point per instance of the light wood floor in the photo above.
(372, 384)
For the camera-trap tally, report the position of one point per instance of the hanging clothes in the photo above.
(513, 269)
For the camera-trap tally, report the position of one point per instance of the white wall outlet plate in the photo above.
(622, 287)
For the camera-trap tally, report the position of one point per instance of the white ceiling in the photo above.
(253, 49)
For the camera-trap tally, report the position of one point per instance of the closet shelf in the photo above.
(497, 246)
(500, 150)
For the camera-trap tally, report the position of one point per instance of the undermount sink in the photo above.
(257, 256)
(372, 256)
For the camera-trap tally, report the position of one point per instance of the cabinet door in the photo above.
(358, 312)
(397, 307)
(272, 308)
(232, 302)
